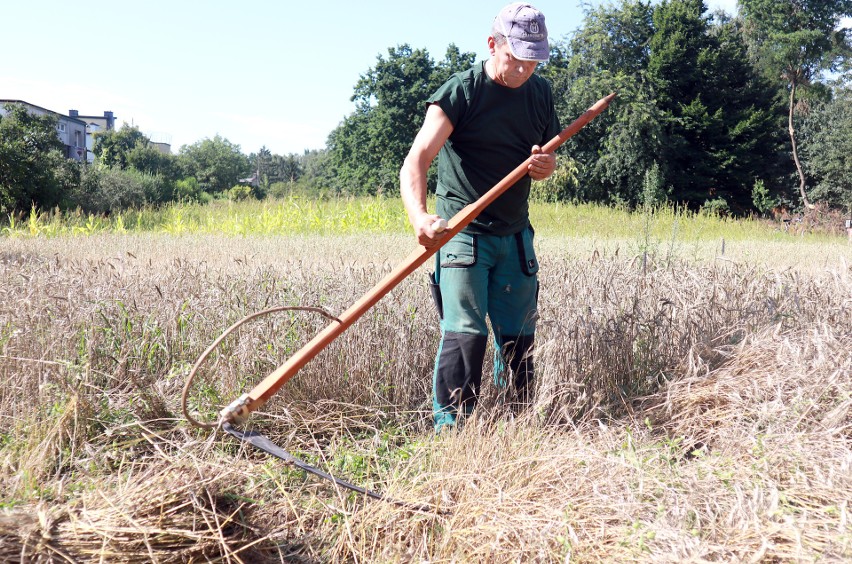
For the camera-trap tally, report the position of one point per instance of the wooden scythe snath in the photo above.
(239, 410)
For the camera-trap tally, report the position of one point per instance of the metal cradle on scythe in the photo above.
(238, 411)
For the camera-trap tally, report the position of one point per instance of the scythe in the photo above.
(238, 411)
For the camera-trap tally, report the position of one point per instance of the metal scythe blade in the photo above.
(238, 410)
(261, 442)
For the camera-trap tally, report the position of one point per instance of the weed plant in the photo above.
(301, 215)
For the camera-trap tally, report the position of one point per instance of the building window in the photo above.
(61, 127)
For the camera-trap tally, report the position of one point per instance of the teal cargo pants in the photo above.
(479, 277)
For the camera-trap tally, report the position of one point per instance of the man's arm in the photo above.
(434, 132)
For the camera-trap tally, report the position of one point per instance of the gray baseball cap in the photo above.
(523, 26)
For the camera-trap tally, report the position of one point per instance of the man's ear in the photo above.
(492, 45)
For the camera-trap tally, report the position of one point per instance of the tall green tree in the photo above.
(609, 53)
(33, 171)
(146, 158)
(681, 68)
(146, 174)
(317, 169)
(216, 163)
(797, 41)
(112, 146)
(688, 103)
(368, 147)
(718, 116)
(287, 168)
(826, 134)
(276, 168)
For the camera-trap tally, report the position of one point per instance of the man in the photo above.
(484, 122)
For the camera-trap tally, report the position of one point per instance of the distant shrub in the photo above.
(717, 207)
(239, 193)
(761, 198)
(104, 190)
(302, 188)
(280, 189)
(259, 192)
(653, 193)
(187, 189)
(561, 186)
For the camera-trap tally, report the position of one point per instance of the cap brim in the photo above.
(529, 51)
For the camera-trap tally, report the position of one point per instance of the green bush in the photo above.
(259, 192)
(239, 193)
(653, 194)
(280, 190)
(761, 198)
(717, 207)
(187, 189)
(561, 186)
(104, 190)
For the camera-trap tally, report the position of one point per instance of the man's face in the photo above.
(510, 71)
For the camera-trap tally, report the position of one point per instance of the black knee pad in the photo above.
(459, 373)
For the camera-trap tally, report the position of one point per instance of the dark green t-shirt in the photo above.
(494, 129)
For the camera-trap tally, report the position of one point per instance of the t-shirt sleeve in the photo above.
(450, 98)
(553, 128)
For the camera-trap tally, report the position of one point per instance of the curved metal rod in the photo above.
(189, 380)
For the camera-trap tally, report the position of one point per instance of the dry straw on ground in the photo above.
(685, 412)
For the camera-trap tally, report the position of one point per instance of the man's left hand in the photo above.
(542, 164)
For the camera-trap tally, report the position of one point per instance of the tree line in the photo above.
(731, 114)
(129, 170)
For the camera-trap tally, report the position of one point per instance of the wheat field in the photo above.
(693, 403)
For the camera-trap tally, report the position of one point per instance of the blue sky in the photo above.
(258, 73)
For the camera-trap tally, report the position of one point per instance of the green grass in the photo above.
(301, 215)
(294, 215)
(663, 223)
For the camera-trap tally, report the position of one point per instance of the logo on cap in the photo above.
(534, 27)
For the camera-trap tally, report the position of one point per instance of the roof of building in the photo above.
(24, 102)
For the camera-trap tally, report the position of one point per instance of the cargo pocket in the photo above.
(460, 252)
(526, 251)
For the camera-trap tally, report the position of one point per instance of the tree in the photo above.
(796, 41)
(826, 134)
(688, 103)
(33, 171)
(112, 146)
(609, 53)
(368, 148)
(317, 169)
(680, 68)
(148, 159)
(275, 168)
(216, 163)
(718, 117)
(104, 189)
(128, 149)
(289, 168)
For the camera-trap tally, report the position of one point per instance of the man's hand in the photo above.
(424, 225)
(542, 165)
